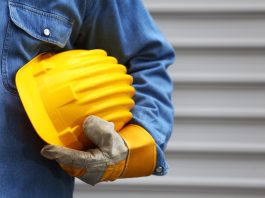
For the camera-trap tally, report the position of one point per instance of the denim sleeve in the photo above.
(125, 29)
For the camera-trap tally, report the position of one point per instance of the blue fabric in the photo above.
(121, 27)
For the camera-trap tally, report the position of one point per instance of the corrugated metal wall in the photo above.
(218, 145)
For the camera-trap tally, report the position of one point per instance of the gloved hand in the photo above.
(129, 153)
(104, 163)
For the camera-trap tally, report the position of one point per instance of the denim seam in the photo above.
(41, 12)
(4, 60)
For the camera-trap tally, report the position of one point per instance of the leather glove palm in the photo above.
(104, 163)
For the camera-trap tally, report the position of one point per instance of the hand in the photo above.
(104, 163)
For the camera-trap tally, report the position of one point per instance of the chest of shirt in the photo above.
(30, 27)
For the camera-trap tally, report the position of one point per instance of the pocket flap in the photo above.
(45, 26)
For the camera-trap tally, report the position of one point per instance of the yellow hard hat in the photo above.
(59, 91)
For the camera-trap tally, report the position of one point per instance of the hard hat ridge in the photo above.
(59, 90)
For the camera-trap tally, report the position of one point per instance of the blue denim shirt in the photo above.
(121, 27)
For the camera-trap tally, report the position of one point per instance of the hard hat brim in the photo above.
(36, 112)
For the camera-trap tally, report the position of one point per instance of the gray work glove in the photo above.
(104, 163)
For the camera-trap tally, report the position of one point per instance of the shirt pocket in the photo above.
(30, 30)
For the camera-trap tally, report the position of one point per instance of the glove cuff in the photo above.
(113, 172)
(141, 159)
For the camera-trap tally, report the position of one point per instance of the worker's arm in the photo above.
(126, 31)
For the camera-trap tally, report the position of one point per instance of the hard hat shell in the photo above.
(59, 91)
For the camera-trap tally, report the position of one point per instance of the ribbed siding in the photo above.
(218, 145)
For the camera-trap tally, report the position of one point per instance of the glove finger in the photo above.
(71, 157)
(103, 135)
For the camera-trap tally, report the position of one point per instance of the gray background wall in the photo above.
(218, 145)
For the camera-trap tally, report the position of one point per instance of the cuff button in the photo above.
(159, 169)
